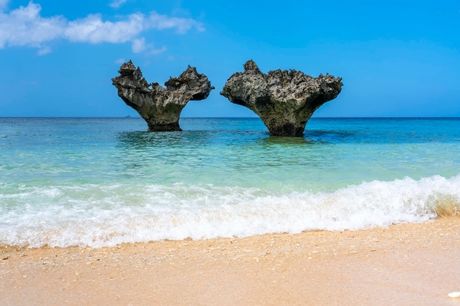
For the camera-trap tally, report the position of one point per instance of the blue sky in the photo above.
(397, 58)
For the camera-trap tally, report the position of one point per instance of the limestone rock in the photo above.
(284, 99)
(160, 106)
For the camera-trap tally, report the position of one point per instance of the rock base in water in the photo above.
(284, 99)
(160, 106)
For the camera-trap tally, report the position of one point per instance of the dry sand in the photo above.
(408, 264)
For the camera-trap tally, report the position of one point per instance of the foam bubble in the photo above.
(105, 215)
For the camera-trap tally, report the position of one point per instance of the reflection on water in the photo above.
(227, 152)
(145, 139)
(276, 140)
(329, 136)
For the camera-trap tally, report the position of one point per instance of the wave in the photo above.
(106, 215)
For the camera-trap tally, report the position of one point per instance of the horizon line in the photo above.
(230, 117)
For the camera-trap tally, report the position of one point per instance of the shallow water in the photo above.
(101, 182)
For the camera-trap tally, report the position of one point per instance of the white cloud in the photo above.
(93, 29)
(181, 25)
(25, 26)
(139, 45)
(116, 3)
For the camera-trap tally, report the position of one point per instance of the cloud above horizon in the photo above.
(116, 3)
(26, 27)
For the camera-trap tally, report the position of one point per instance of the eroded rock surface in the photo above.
(160, 106)
(284, 99)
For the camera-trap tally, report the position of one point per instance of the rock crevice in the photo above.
(284, 99)
(160, 106)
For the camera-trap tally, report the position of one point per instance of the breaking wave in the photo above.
(106, 215)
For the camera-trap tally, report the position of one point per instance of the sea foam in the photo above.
(106, 215)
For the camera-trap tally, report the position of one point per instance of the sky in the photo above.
(396, 58)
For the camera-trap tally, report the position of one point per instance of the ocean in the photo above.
(104, 181)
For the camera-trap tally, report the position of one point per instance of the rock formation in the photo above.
(160, 106)
(284, 99)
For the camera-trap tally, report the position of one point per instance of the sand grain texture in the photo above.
(408, 264)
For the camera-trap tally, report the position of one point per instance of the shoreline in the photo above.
(404, 264)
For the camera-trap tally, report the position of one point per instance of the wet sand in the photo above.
(408, 264)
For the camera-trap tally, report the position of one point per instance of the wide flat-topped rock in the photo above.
(160, 106)
(284, 99)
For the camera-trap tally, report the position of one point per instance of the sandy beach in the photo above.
(229, 153)
(407, 264)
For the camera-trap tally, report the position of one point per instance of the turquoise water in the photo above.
(106, 181)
